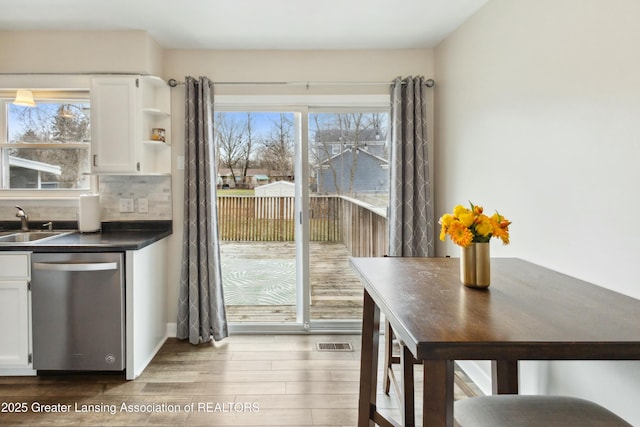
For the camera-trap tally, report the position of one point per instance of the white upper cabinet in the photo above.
(130, 125)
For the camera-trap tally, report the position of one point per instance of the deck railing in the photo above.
(364, 228)
(361, 227)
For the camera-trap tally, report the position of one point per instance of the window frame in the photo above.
(50, 95)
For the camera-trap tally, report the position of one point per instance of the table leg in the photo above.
(368, 361)
(388, 356)
(438, 393)
(408, 395)
(504, 376)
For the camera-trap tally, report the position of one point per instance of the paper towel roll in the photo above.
(89, 213)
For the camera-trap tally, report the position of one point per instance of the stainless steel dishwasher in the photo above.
(78, 311)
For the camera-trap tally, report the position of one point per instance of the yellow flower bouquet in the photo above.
(467, 226)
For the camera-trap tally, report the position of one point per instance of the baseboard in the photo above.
(139, 367)
(261, 328)
(19, 372)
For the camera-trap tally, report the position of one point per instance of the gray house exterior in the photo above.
(353, 171)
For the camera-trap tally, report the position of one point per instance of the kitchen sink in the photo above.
(30, 236)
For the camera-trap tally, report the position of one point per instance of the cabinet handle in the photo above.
(138, 166)
(72, 266)
(95, 160)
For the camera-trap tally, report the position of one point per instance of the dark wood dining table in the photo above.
(528, 313)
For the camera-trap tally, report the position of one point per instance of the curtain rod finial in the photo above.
(430, 83)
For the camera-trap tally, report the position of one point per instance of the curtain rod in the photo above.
(174, 83)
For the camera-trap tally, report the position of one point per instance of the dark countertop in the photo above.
(115, 236)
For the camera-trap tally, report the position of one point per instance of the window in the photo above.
(45, 147)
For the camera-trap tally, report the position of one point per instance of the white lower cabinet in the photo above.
(146, 293)
(145, 288)
(15, 313)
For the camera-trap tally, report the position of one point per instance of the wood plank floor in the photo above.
(262, 380)
(336, 291)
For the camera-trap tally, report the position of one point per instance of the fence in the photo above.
(271, 218)
(331, 218)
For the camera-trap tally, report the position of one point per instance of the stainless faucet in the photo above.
(24, 219)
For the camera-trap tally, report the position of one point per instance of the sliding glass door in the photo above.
(348, 196)
(256, 215)
(300, 190)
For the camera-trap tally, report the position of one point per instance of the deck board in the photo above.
(336, 291)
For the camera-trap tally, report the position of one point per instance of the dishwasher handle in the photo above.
(75, 266)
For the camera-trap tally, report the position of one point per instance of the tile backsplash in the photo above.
(156, 189)
(40, 209)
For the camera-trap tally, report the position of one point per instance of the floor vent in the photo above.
(334, 346)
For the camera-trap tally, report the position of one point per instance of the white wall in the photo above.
(79, 52)
(537, 105)
(271, 66)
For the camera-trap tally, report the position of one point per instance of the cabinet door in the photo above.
(114, 146)
(14, 323)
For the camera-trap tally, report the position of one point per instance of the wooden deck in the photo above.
(336, 291)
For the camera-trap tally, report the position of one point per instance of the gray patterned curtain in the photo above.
(201, 310)
(410, 205)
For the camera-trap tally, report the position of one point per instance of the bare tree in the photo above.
(321, 152)
(247, 147)
(351, 126)
(376, 122)
(64, 124)
(70, 124)
(277, 147)
(230, 138)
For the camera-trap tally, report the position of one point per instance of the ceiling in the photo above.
(253, 24)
